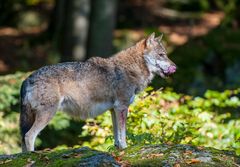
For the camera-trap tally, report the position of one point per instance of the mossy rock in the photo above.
(78, 157)
(165, 155)
(148, 155)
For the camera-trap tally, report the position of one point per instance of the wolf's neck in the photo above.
(132, 57)
(132, 60)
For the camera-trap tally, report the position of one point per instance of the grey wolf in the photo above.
(87, 89)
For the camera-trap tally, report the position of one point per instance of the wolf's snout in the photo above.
(172, 69)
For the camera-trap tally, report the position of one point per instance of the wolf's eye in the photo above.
(161, 54)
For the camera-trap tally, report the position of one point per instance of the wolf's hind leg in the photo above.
(27, 117)
(42, 118)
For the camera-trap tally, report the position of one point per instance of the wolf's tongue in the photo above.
(171, 69)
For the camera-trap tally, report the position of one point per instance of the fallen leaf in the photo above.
(113, 154)
(155, 155)
(76, 155)
(200, 147)
(121, 153)
(118, 158)
(177, 165)
(124, 164)
(30, 163)
(47, 149)
(187, 152)
(193, 161)
(6, 161)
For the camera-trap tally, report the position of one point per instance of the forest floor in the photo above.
(148, 155)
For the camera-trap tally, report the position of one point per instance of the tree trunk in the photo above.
(56, 23)
(101, 27)
(80, 28)
(76, 30)
(69, 28)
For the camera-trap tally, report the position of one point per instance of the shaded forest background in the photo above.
(202, 38)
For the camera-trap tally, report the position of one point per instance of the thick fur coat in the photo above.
(87, 89)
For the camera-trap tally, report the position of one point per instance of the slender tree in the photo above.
(102, 23)
(69, 27)
(80, 27)
(83, 28)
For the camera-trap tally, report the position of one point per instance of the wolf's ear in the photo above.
(159, 39)
(150, 40)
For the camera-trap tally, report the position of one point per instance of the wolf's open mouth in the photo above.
(163, 74)
(166, 73)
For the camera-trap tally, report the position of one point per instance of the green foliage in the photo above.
(9, 99)
(9, 90)
(29, 19)
(168, 117)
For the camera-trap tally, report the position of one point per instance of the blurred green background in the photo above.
(199, 105)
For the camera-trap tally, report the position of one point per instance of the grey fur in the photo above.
(88, 89)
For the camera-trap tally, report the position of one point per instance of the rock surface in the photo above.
(148, 155)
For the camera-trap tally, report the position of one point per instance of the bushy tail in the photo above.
(27, 116)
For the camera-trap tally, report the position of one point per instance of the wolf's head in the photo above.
(156, 57)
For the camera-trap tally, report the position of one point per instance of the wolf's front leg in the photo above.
(119, 117)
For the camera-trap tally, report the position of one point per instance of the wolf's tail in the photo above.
(27, 117)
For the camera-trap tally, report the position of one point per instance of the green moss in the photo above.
(139, 155)
(185, 155)
(69, 157)
(18, 159)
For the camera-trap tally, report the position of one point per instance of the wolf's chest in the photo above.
(99, 108)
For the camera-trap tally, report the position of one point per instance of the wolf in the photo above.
(88, 89)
